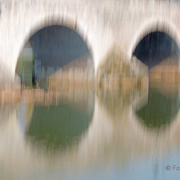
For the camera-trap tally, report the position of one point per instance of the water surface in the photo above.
(93, 136)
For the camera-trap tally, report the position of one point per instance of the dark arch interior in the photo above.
(156, 47)
(50, 49)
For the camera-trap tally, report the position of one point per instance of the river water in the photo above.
(88, 135)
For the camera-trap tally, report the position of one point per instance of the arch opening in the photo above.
(156, 47)
(54, 56)
(160, 52)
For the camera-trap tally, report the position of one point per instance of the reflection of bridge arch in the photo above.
(118, 136)
(105, 129)
(157, 139)
(161, 138)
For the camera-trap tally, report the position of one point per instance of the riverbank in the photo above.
(9, 96)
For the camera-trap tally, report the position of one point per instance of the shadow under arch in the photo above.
(154, 25)
(65, 22)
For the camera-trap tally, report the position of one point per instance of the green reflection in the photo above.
(160, 110)
(58, 126)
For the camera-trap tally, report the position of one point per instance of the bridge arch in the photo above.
(71, 22)
(154, 25)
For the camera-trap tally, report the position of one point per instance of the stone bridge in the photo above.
(102, 24)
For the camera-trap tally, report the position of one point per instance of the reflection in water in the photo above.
(57, 126)
(160, 110)
(104, 138)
